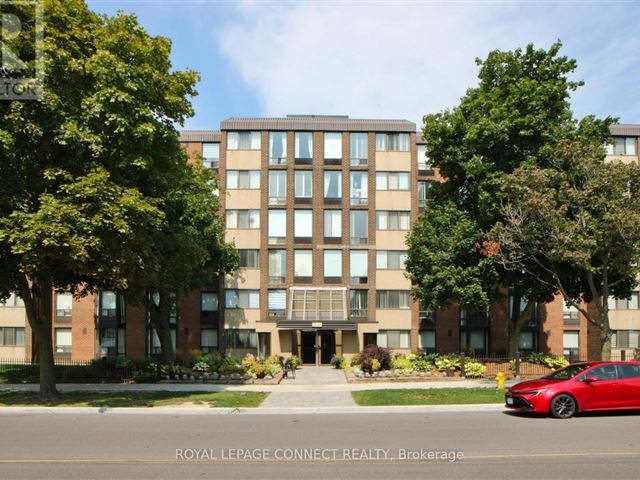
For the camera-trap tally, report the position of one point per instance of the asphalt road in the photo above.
(493, 445)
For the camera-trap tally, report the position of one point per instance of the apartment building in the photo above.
(319, 208)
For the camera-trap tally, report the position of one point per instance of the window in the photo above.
(622, 146)
(241, 338)
(359, 227)
(625, 339)
(243, 140)
(359, 302)
(333, 187)
(386, 220)
(392, 180)
(359, 267)
(393, 299)
(302, 265)
(359, 188)
(243, 219)
(277, 187)
(243, 179)
(571, 343)
(209, 302)
(333, 146)
(304, 145)
(424, 193)
(629, 371)
(242, 299)
(570, 315)
(277, 301)
(630, 303)
(390, 259)
(208, 340)
(63, 304)
(13, 301)
(313, 304)
(332, 224)
(249, 258)
(277, 226)
(392, 142)
(277, 266)
(474, 340)
(359, 148)
(526, 341)
(428, 341)
(426, 316)
(333, 266)
(303, 184)
(108, 303)
(210, 155)
(12, 336)
(424, 164)
(394, 338)
(277, 148)
(63, 340)
(303, 224)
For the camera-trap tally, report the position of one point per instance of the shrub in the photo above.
(201, 367)
(555, 361)
(248, 361)
(355, 360)
(535, 357)
(375, 365)
(292, 362)
(259, 369)
(229, 366)
(339, 362)
(421, 365)
(402, 362)
(273, 365)
(474, 369)
(448, 362)
(381, 354)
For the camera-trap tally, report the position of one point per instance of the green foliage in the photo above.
(355, 360)
(229, 366)
(201, 367)
(293, 362)
(474, 369)
(401, 362)
(339, 362)
(448, 362)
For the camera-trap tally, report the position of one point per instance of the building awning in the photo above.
(320, 308)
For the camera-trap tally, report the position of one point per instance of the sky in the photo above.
(382, 59)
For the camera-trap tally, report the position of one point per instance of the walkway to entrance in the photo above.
(310, 375)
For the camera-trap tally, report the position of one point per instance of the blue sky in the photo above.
(382, 59)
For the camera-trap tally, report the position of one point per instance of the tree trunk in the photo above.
(605, 348)
(164, 330)
(38, 300)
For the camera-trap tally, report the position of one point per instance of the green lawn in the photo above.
(428, 396)
(137, 399)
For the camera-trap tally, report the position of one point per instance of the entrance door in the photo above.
(327, 346)
(309, 348)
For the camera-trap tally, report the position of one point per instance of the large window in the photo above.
(474, 331)
(277, 148)
(333, 146)
(277, 226)
(209, 302)
(622, 146)
(359, 192)
(208, 340)
(12, 336)
(427, 341)
(63, 304)
(303, 184)
(424, 193)
(242, 298)
(303, 225)
(249, 258)
(277, 302)
(332, 224)
(359, 149)
(630, 303)
(392, 142)
(241, 338)
(359, 227)
(625, 339)
(243, 140)
(393, 299)
(390, 259)
(304, 145)
(392, 181)
(571, 344)
(210, 155)
(277, 187)
(108, 304)
(394, 338)
(392, 220)
(313, 304)
(359, 303)
(570, 315)
(332, 266)
(424, 164)
(277, 266)
(359, 267)
(243, 219)
(243, 179)
(332, 187)
(63, 340)
(302, 265)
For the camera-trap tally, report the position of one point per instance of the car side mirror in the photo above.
(590, 379)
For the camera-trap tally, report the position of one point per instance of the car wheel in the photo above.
(563, 406)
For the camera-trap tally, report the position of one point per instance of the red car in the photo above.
(581, 387)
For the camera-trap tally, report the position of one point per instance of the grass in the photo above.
(136, 399)
(430, 396)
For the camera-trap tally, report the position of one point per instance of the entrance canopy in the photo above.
(318, 308)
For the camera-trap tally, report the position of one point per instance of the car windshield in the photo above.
(566, 372)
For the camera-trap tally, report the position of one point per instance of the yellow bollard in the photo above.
(500, 379)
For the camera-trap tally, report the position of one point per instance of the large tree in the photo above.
(514, 117)
(577, 220)
(86, 169)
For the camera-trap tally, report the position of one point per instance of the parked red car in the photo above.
(580, 387)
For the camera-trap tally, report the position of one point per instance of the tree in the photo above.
(579, 222)
(188, 249)
(86, 169)
(513, 118)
